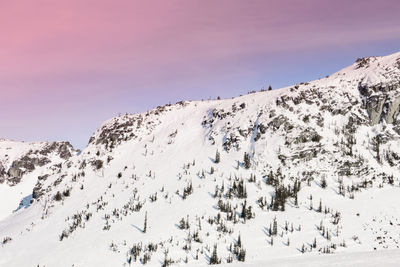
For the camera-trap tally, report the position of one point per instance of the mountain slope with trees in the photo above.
(296, 172)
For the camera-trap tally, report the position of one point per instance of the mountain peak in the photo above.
(373, 70)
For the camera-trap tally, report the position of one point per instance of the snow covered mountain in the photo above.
(20, 165)
(270, 176)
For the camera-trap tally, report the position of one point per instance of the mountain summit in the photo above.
(276, 175)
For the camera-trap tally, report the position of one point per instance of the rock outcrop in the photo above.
(31, 159)
(381, 102)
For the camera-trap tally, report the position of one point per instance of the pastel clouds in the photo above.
(93, 57)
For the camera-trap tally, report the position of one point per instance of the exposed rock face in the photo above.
(14, 175)
(32, 159)
(37, 191)
(279, 121)
(392, 109)
(24, 165)
(375, 107)
(308, 135)
(363, 62)
(63, 149)
(2, 173)
(381, 102)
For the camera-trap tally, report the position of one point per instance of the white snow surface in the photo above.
(162, 151)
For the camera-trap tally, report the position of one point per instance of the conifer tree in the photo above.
(242, 255)
(270, 230)
(246, 160)
(187, 226)
(182, 224)
(217, 157)
(167, 262)
(214, 257)
(58, 196)
(275, 227)
(323, 183)
(145, 223)
(243, 214)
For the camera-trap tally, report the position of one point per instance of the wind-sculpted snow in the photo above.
(296, 172)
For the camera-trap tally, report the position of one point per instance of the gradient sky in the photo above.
(68, 65)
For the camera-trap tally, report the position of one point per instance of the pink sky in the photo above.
(67, 65)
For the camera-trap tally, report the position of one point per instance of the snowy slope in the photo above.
(319, 158)
(389, 258)
(20, 165)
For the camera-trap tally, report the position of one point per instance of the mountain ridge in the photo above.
(305, 158)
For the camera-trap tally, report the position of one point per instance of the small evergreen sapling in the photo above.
(58, 196)
(214, 257)
(217, 157)
(145, 223)
(246, 160)
(324, 184)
